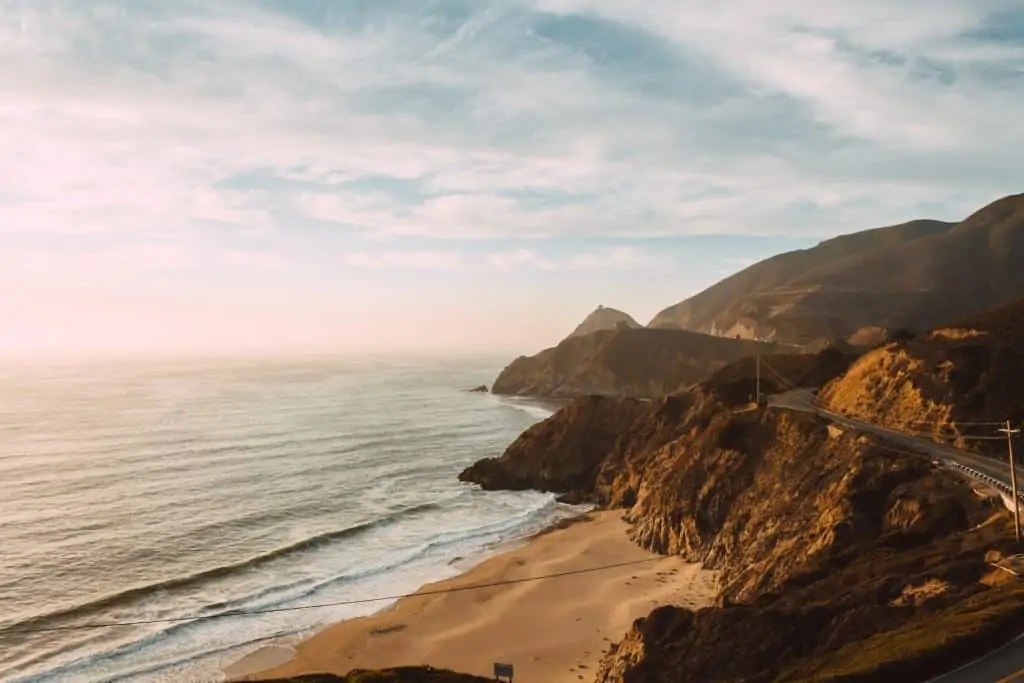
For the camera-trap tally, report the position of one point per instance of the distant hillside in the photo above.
(626, 362)
(915, 275)
(605, 319)
(943, 382)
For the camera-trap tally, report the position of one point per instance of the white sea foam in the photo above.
(154, 493)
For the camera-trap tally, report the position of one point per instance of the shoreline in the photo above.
(549, 603)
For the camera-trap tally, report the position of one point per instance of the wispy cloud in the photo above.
(255, 260)
(613, 258)
(99, 262)
(460, 136)
(634, 115)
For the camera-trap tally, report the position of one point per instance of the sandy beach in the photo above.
(551, 629)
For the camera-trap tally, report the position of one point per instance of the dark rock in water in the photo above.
(482, 389)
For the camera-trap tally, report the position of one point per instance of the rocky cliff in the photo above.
(624, 362)
(951, 383)
(918, 275)
(579, 449)
(828, 544)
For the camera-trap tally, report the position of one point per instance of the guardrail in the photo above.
(984, 478)
(970, 472)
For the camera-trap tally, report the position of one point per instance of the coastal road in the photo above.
(805, 401)
(1001, 666)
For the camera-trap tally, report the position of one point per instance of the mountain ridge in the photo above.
(916, 274)
(857, 289)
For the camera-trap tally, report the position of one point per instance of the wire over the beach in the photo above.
(341, 603)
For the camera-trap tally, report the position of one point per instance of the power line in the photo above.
(341, 603)
(958, 422)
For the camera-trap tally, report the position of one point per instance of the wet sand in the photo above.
(551, 629)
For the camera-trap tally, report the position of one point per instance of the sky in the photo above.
(264, 176)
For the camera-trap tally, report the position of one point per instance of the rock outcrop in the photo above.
(605, 319)
(946, 383)
(568, 452)
(593, 436)
(839, 559)
(627, 362)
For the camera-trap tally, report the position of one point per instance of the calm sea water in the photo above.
(134, 492)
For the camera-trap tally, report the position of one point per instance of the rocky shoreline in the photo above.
(840, 559)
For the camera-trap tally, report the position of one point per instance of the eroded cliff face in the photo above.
(946, 382)
(825, 541)
(824, 544)
(565, 452)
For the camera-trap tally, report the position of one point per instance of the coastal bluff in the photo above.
(624, 362)
(839, 559)
(858, 289)
(957, 382)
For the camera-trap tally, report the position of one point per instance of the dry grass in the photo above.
(927, 645)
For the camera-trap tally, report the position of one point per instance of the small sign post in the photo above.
(502, 671)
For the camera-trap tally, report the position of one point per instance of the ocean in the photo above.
(162, 492)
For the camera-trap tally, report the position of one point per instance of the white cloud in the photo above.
(516, 259)
(621, 258)
(624, 258)
(125, 137)
(98, 262)
(150, 145)
(792, 47)
(266, 261)
(414, 260)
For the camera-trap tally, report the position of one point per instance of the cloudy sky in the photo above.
(257, 175)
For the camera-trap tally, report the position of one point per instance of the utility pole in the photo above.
(757, 386)
(1013, 478)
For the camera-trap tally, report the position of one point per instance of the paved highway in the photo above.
(804, 401)
(1003, 665)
